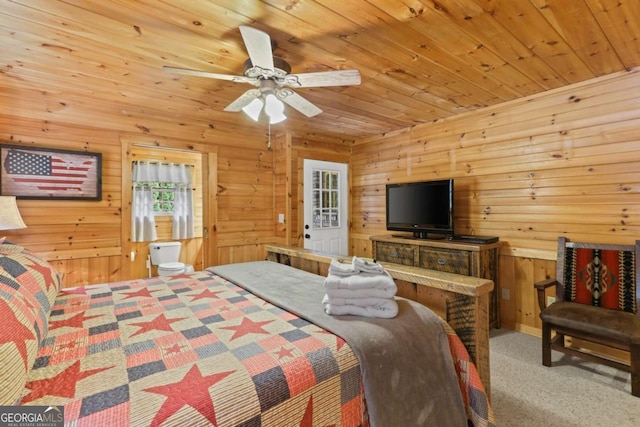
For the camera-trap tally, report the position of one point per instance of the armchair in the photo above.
(597, 299)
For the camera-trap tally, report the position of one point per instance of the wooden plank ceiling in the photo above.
(420, 60)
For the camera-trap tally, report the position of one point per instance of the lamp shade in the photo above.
(10, 218)
(253, 109)
(274, 109)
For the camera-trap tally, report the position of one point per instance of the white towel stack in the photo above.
(361, 288)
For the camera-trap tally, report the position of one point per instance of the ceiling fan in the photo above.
(271, 75)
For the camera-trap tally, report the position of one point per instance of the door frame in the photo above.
(302, 201)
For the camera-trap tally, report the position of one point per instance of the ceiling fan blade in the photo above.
(239, 79)
(299, 103)
(258, 44)
(324, 78)
(243, 100)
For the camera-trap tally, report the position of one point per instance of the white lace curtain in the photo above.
(143, 224)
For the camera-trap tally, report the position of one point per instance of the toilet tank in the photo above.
(164, 252)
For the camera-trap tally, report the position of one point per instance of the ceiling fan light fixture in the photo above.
(274, 109)
(253, 109)
(277, 119)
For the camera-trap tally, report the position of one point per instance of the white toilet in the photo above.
(165, 255)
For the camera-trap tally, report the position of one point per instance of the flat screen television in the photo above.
(423, 208)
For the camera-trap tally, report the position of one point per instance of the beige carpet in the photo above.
(572, 393)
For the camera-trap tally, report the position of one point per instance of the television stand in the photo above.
(452, 256)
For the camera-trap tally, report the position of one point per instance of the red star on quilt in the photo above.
(307, 418)
(76, 302)
(181, 276)
(174, 349)
(72, 322)
(68, 345)
(207, 293)
(339, 341)
(160, 323)
(142, 292)
(45, 272)
(26, 301)
(74, 291)
(19, 334)
(192, 390)
(51, 386)
(225, 308)
(284, 352)
(247, 326)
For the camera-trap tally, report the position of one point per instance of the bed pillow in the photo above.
(30, 271)
(28, 286)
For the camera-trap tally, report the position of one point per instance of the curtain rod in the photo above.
(155, 162)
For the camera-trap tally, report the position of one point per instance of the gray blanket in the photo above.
(407, 368)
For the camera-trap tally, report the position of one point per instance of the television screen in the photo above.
(421, 207)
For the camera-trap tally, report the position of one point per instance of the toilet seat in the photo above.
(171, 268)
(172, 265)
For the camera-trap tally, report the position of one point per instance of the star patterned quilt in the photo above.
(186, 350)
(190, 350)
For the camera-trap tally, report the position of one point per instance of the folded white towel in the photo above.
(367, 266)
(389, 292)
(360, 302)
(357, 265)
(387, 310)
(341, 268)
(360, 281)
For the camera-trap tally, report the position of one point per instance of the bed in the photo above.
(236, 345)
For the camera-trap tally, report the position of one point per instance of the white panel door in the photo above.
(325, 207)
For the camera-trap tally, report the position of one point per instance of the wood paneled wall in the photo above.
(82, 239)
(566, 162)
(88, 242)
(245, 204)
(562, 163)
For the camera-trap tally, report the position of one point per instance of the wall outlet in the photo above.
(506, 294)
(281, 218)
(550, 300)
(133, 256)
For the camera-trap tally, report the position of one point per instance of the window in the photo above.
(163, 196)
(325, 195)
(161, 189)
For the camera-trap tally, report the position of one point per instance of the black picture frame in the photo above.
(49, 173)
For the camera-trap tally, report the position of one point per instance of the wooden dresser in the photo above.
(468, 259)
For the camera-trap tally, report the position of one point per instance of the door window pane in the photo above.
(325, 194)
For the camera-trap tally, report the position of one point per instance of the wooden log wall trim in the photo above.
(564, 162)
(282, 184)
(211, 211)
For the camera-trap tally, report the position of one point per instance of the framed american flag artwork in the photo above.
(46, 173)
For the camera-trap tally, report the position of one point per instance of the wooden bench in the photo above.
(597, 301)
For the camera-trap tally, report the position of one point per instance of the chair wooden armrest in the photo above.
(541, 286)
